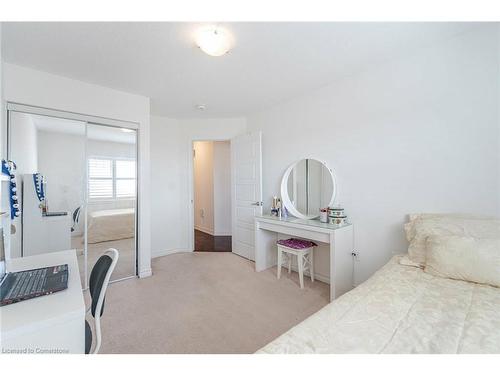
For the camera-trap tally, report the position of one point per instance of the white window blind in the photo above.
(111, 179)
(125, 178)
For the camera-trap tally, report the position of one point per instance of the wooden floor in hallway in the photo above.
(206, 242)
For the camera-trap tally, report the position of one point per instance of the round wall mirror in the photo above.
(307, 186)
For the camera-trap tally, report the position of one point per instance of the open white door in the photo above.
(246, 164)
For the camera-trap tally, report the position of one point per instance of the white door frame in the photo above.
(191, 184)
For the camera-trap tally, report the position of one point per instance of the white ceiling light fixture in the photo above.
(214, 40)
(201, 107)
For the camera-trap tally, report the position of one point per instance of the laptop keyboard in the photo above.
(26, 283)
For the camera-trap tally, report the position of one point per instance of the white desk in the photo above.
(48, 324)
(340, 239)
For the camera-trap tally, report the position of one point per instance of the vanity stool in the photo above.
(304, 250)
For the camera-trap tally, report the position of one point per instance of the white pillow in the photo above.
(449, 225)
(410, 226)
(464, 258)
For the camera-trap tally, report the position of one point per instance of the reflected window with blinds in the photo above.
(111, 178)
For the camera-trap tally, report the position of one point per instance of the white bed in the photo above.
(111, 225)
(401, 309)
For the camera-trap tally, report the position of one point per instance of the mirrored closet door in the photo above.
(112, 196)
(76, 186)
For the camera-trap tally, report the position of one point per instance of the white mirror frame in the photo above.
(286, 198)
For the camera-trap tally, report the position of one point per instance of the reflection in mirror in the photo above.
(70, 174)
(310, 186)
(50, 157)
(111, 167)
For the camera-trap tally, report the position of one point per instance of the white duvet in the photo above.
(111, 225)
(401, 309)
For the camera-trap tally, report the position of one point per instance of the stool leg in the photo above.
(300, 263)
(289, 263)
(311, 264)
(280, 255)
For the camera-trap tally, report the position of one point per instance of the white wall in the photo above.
(172, 184)
(222, 188)
(110, 149)
(416, 134)
(203, 181)
(32, 87)
(168, 191)
(61, 159)
(24, 143)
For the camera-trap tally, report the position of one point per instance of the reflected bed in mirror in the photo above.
(307, 186)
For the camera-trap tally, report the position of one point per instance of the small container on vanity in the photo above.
(337, 216)
(323, 215)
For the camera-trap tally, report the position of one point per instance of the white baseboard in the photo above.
(145, 273)
(204, 230)
(162, 253)
(223, 234)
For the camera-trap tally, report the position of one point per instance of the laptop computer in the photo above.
(23, 285)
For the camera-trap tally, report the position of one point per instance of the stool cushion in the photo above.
(297, 244)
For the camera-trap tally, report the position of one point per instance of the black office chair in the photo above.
(76, 218)
(98, 283)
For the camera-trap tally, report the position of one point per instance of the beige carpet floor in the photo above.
(205, 303)
(126, 262)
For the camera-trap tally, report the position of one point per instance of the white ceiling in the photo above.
(73, 127)
(270, 62)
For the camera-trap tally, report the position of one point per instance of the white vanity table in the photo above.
(307, 186)
(340, 240)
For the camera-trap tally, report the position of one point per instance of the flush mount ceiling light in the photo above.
(201, 107)
(213, 40)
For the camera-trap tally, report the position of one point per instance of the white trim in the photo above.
(211, 232)
(145, 273)
(162, 253)
(205, 230)
(34, 110)
(223, 234)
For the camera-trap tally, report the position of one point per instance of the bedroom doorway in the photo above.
(212, 196)
(76, 187)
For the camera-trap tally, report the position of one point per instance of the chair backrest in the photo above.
(76, 214)
(98, 283)
(76, 217)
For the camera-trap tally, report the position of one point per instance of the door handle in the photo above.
(258, 204)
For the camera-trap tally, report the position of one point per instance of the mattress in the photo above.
(111, 225)
(401, 309)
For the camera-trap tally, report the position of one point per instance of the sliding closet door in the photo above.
(111, 196)
(49, 153)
